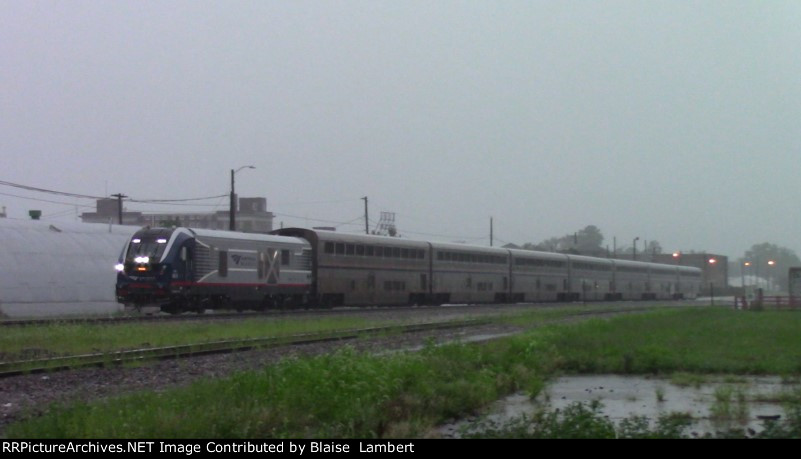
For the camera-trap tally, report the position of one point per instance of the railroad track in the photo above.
(118, 358)
(15, 368)
(277, 313)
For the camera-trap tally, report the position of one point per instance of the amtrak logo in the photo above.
(244, 260)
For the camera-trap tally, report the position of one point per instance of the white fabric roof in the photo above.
(57, 263)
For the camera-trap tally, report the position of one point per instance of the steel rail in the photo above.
(21, 367)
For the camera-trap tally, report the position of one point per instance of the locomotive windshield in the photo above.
(147, 245)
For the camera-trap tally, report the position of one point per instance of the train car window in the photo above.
(396, 252)
(261, 265)
(370, 251)
(379, 251)
(360, 250)
(421, 254)
(329, 247)
(350, 249)
(222, 267)
(440, 256)
(285, 257)
(404, 253)
(340, 248)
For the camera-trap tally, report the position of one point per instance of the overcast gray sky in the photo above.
(678, 121)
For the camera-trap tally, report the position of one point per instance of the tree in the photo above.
(760, 255)
(653, 248)
(586, 241)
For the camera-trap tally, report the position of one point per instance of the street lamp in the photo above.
(742, 272)
(232, 210)
(771, 263)
(712, 262)
(634, 248)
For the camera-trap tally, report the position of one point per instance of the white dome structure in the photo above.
(54, 268)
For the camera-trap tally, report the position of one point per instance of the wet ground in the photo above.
(716, 404)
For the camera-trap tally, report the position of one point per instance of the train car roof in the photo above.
(522, 253)
(325, 235)
(586, 259)
(469, 248)
(235, 235)
(367, 239)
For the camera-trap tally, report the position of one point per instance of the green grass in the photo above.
(349, 394)
(62, 339)
(345, 394)
(70, 339)
(690, 341)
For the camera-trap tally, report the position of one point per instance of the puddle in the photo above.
(717, 405)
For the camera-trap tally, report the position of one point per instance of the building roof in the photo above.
(55, 264)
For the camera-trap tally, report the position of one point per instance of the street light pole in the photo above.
(634, 248)
(232, 208)
(771, 285)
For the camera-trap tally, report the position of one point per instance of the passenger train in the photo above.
(184, 269)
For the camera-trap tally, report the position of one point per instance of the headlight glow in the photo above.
(119, 267)
(142, 259)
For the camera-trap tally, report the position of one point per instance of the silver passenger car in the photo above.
(354, 270)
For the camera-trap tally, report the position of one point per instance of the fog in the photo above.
(663, 120)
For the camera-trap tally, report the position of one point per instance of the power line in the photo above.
(84, 196)
(156, 201)
(44, 190)
(46, 200)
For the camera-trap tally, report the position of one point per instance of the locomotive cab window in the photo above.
(222, 268)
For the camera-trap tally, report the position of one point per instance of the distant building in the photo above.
(714, 267)
(251, 217)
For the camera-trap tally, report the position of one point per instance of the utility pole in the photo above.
(232, 204)
(119, 197)
(366, 217)
(490, 231)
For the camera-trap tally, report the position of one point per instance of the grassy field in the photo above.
(70, 339)
(348, 394)
(63, 339)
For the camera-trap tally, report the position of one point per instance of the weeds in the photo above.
(730, 405)
(579, 421)
(350, 394)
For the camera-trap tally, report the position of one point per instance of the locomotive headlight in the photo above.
(142, 259)
(119, 267)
